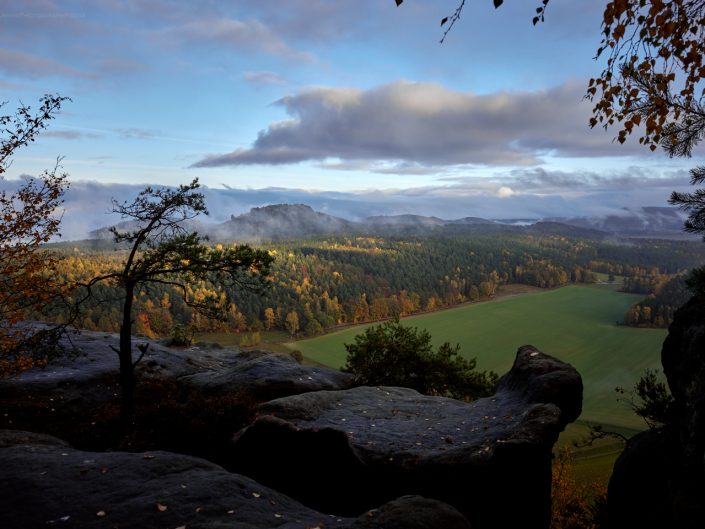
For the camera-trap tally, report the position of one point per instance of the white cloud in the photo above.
(505, 192)
(264, 78)
(32, 66)
(250, 35)
(427, 124)
(507, 195)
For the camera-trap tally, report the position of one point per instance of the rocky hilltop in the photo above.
(372, 456)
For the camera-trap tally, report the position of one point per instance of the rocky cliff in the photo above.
(345, 451)
(427, 461)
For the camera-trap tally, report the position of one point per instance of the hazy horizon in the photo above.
(352, 107)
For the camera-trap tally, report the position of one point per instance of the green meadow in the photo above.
(577, 324)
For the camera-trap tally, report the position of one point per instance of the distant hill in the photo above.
(280, 221)
(104, 233)
(298, 221)
(418, 221)
(566, 230)
(664, 222)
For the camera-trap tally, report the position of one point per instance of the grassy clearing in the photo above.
(593, 464)
(575, 323)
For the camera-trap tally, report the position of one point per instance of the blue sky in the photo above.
(352, 106)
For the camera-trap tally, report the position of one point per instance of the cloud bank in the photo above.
(531, 193)
(427, 124)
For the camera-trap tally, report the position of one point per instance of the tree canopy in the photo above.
(28, 219)
(652, 81)
(160, 250)
(392, 354)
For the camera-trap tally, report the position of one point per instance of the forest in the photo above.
(316, 284)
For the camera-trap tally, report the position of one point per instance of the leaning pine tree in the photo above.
(161, 251)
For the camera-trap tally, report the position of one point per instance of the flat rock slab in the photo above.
(265, 375)
(88, 371)
(342, 451)
(46, 483)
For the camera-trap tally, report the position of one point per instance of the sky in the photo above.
(351, 106)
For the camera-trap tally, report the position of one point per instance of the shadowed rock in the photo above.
(346, 451)
(265, 375)
(659, 479)
(46, 483)
(86, 376)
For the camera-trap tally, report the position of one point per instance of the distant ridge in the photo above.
(279, 221)
(650, 221)
(299, 221)
(404, 220)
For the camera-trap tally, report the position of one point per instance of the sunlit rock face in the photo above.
(659, 480)
(346, 451)
(46, 483)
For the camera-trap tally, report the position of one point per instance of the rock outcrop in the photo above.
(264, 375)
(86, 376)
(46, 483)
(659, 480)
(346, 451)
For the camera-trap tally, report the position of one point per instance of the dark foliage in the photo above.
(392, 354)
(162, 252)
(650, 399)
(28, 219)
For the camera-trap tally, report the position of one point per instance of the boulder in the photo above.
(665, 469)
(638, 488)
(683, 359)
(412, 512)
(46, 483)
(346, 451)
(265, 375)
(86, 377)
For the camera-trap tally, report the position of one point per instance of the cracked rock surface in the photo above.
(343, 451)
(46, 483)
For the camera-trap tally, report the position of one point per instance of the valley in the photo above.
(574, 323)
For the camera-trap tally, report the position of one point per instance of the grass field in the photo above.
(575, 323)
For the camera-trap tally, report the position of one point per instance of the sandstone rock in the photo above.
(683, 359)
(346, 451)
(48, 484)
(265, 375)
(412, 512)
(638, 490)
(664, 471)
(86, 376)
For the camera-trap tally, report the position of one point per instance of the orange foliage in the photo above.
(572, 505)
(27, 221)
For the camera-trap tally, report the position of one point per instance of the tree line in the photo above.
(321, 283)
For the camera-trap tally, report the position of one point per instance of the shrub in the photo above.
(573, 506)
(181, 335)
(391, 354)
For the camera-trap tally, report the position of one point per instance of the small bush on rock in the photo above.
(391, 354)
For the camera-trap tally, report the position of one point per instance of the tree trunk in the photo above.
(127, 370)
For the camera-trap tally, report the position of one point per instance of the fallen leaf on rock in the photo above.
(256, 494)
(161, 507)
